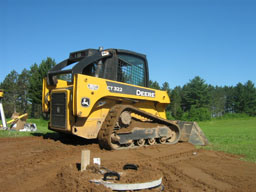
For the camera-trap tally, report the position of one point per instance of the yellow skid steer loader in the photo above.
(104, 94)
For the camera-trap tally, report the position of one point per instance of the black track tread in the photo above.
(108, 125)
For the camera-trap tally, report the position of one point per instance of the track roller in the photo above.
(161, 140)
(151, 141)
(140, 142)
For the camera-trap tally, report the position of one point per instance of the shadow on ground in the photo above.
(66, 138)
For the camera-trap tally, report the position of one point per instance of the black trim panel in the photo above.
(129, 90)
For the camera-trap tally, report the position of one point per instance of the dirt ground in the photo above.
(46, 164)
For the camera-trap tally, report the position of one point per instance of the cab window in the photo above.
(131, 69)
(95, 69)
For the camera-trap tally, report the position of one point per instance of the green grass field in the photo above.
(236, 136)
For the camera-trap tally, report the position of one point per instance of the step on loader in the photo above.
(104, 94)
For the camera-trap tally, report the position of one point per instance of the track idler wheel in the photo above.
(114, 141)
(173, 138)
(125, 118)
(140, 142)
(151, 141)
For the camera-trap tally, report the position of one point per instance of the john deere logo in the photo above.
(85, 102)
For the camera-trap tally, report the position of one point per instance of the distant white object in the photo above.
(4, 127)
(28, 127)
(194, 153)
(96, 161)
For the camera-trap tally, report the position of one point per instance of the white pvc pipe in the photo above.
(2, 115)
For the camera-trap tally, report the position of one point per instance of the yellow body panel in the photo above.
(101, 90)
(1, 93)
(86, 121)
(46, 92)
(89, 127)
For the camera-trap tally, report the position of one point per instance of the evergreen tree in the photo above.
(166, 87)
(10, 87)
(23, 86)
(35, 81)
(176, 99)
(196, 93)
(35, 85)
(245, 98)
(45, 66)
(217, 100)
(154, 85)
(250, 96)
(229, 96)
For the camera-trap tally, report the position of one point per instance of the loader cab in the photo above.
(113, 64)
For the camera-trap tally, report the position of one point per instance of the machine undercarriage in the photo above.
(122, 129)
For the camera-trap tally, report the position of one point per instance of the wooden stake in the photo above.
(85, 159)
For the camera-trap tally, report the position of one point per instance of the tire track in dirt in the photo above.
(167, 164)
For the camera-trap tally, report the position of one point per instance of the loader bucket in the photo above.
(192, 133)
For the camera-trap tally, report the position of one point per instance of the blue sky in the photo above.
(215, 39)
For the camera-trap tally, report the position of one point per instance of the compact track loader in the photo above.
(104, 94)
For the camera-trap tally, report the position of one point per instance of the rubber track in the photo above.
(108, 125)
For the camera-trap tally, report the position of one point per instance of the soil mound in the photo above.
(38, 164)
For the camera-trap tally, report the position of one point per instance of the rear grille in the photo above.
(58, 110)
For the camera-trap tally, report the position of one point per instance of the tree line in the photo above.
(198, 101)
(23, 92)
(195, 101)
